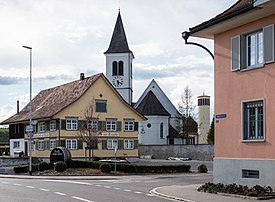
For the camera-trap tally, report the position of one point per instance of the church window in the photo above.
(120, 68)
(161, 131)
(115, 68)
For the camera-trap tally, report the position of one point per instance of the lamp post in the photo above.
(30, 128)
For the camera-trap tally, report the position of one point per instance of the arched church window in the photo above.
(115, 68)
(120, 68)
(161, 131)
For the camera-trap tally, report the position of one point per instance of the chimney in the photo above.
(17, 106)
(82, 76)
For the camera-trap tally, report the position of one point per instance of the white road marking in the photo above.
(5, 182)
(138, 192)
(152, 181)
(98, 185)
(70, 182)
(81, 199)
(31, 187)
(107, 187)
(117, 188)
(17, 184)
(149, 194)
(43, 189)
(59, 193)
(127, 190)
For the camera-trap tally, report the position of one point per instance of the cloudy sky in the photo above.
(69, 37)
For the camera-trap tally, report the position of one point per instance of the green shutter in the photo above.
(118, 125)
(136, 126)
(82, 124)
(102, 125)
(120, 144)
(104, 144)
(47, 123)
(63, 124)
(135, 144)
(63, 144)
(46, 144)
(57, 124)
(79, 144)
(36, 145)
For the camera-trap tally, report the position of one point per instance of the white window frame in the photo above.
(129, 144)
(248, 137)
(93, 123)
(52, 144)
(111, 124)
(53, 125)
(40, 145)
(112, 143)
(42, 127)
(257, 47)
(129, 125)
(71, 144)
(16, 144)
(71, 123)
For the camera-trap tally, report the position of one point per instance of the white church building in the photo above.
(160, 128)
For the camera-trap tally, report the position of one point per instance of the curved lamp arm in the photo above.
(185, 36)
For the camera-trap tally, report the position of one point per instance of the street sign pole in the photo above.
(115, 157)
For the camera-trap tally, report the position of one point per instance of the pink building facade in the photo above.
(244, 73)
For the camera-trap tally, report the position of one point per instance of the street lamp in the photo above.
(30, 128)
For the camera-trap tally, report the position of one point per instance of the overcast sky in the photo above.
(69, 37)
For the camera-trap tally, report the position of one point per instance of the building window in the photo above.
(114, 65)
(52, 144)
(112, 144)
(71, 124)
(251, 174)
(16, 144)
(129, 125)
(42, 127)
(101, 105)
(252, 50)
(71, 143)
(253, 120)
(92, 124)
(120, 68)
(128, 144)
(111, 125)
(161, 131)
(53, 125)
(41, 145)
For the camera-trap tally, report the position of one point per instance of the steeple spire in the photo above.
(118, 42)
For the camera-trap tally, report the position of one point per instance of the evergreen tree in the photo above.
(210, 136)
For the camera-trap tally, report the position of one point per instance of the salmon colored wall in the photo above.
(231, 88)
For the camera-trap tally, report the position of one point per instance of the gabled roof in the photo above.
(160, 95)
(189, 123)
(51, 101)
(119, 42)
(242, 12)
(150, 105)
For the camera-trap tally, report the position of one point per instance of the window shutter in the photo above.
(135, 144)
(36, 145)
(120, 144)
(57, 124)
(47, 126)
(104, 144)
(102, 125)
(63, 143)
(63, 124)
(268, 33)
(82, 124)
(235, 53)
(136, 126)
(118, 125)
(46, 144)
(79, 144)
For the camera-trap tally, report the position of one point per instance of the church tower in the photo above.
(119, 62)
(203, 118)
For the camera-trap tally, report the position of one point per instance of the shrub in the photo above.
(105, 168)
(202, 169)
(43, 166)
(83, 164)
(60, 166)
(21, 169)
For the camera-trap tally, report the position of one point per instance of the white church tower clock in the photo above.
(119, 62)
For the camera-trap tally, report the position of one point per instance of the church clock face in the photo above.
(117, 81)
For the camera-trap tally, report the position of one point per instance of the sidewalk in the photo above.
(189, 193)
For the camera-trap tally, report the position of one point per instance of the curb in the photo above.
(154, 191)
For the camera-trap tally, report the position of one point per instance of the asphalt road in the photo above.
(123, 189)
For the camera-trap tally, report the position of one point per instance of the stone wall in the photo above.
(203, 152)
(15, 161)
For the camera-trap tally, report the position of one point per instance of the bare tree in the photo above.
(186, 113)
(89, 128)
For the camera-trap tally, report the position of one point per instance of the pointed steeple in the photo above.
(118, 42)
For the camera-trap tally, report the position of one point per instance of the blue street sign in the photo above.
(220, 116)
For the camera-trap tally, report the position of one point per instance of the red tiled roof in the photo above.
(51, 101)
